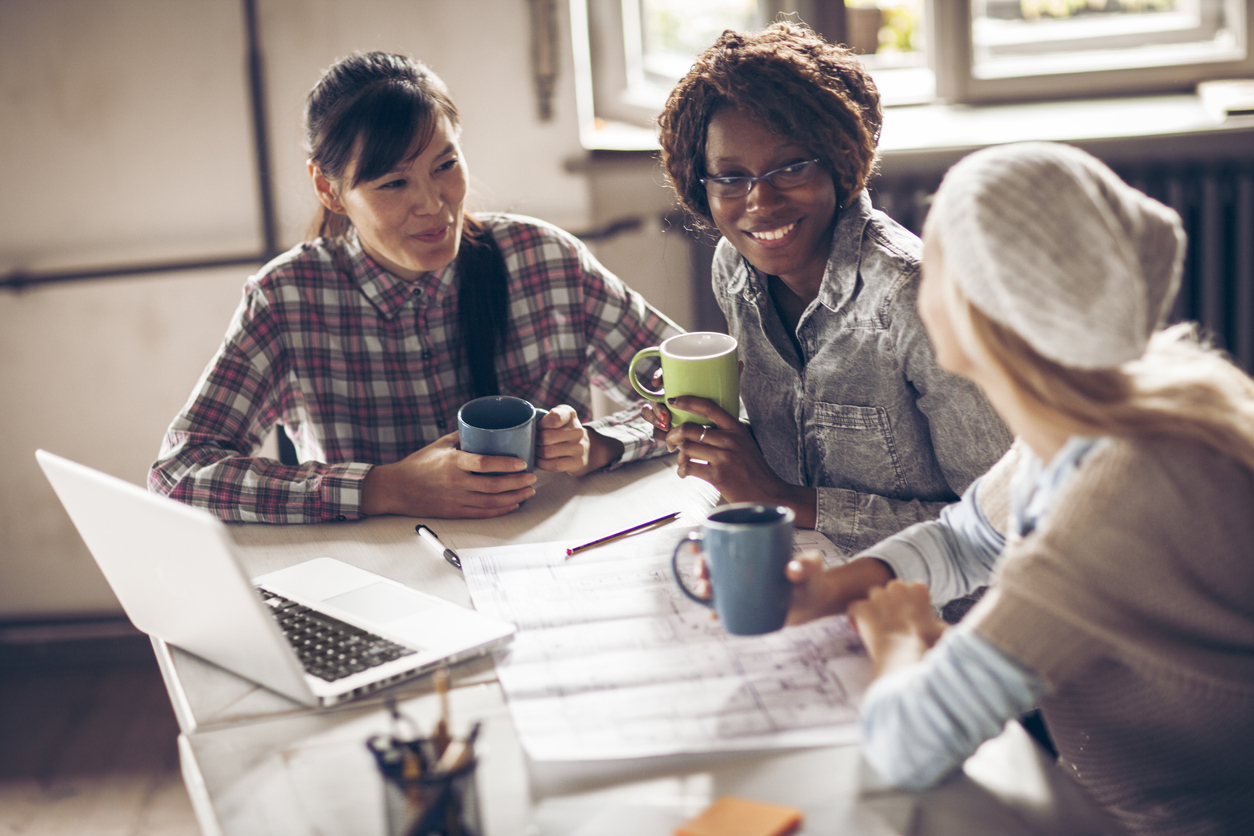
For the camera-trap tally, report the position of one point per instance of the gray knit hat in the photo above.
(1045, 239)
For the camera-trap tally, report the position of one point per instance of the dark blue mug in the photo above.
(499, 425)
(746, 547)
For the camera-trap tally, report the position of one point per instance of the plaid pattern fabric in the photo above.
(363, 368)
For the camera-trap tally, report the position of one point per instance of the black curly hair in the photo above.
(793, 82)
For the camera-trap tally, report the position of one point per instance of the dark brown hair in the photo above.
(380, 109)
(791, 81)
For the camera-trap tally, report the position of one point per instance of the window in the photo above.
(1016, 49)
(663, 35)
(891, 35)
(629, 53)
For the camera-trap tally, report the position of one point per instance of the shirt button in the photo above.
(440, 424)
(426, 355)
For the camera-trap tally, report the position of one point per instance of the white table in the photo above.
(257, 763)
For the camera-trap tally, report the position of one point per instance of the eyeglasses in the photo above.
(789, 177)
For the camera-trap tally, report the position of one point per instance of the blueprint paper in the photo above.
(612, 661)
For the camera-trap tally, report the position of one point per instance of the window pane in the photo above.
(889, 34)
(1039, 37)
(662, 37)
(674, 31)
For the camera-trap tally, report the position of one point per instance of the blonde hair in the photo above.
(1179, 388)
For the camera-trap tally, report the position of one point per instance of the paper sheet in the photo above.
(567, 507)
(612, 661)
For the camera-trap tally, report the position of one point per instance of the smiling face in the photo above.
(410, 219)
(784, 233)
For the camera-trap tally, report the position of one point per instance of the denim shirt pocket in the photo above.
(856, 449)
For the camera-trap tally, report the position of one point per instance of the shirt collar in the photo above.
(387, 292)
(1037, 485)
(840, 279)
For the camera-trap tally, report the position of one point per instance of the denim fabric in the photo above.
(865, 415)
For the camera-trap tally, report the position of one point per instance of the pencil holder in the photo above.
(420, 800)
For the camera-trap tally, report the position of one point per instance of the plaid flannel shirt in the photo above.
(363, 368)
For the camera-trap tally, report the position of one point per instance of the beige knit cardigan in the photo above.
(1134, 601)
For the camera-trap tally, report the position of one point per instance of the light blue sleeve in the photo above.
(952, 555)
(921, 722)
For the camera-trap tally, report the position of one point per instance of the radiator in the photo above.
(1215, 201)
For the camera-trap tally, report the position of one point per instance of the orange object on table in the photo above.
(732, 816)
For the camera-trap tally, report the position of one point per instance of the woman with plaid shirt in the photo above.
(364, 341)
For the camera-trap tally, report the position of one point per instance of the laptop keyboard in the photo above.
(329, 648)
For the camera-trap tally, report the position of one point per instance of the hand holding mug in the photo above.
(498, 425)
(656, 412)
(442, 481)
(819, 591)
(702, 364)
(565, 445)
(723, 452)
(745, 547)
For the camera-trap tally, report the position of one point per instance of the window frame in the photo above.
(608, 120)
(953, 60)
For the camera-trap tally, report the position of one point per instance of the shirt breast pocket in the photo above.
(856, 449)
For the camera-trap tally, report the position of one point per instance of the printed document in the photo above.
(612, 661)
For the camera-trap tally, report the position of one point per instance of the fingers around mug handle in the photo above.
(539, 413)
(693, 537)
(643, 354)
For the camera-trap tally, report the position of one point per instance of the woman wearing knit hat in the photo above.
(1122, 597)
(770, 139)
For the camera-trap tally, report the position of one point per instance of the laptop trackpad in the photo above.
(383, 602)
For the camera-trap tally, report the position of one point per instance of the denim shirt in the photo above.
(864, 415)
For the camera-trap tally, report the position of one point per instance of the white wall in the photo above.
(126, 138)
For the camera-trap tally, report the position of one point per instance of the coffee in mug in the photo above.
(746, 547)
(499, 425)
(700, 363)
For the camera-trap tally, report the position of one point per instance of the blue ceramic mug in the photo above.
(746, 547)
(500, 426)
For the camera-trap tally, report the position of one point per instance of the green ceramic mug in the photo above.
(701, 364)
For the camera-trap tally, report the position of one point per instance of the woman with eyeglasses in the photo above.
(365, 340)
(770, 139)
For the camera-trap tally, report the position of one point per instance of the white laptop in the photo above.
(174, 569)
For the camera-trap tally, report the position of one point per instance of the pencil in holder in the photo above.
(421, 803)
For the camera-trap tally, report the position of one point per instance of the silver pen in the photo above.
(429, 535)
